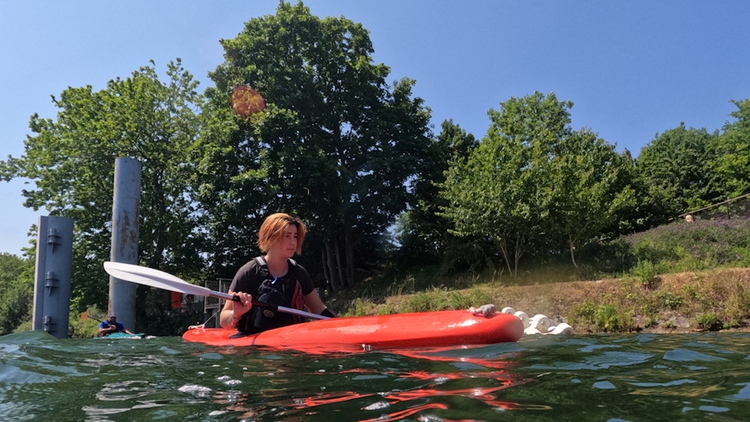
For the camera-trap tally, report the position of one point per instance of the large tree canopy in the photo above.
(337, 144)
(729, 168)
(672, 169)
(16, 291)
(588, 186)
(422, 232)
(533, 181)
(499, 192)
(71, 161)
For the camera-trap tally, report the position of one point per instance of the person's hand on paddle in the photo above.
(242, 306)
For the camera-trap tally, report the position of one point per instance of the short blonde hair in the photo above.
(273, 230)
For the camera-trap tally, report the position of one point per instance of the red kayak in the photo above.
(397, 331)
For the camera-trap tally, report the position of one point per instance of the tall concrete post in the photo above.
(125, 212)
(54, 263)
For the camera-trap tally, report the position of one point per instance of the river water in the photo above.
(643, 377)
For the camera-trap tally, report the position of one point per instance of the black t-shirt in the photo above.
(294, 285)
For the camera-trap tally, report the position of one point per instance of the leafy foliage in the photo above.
(672, 170)
(16, 291)
(352, 154)
(337, 145)
(533, 183)
(730, 168)
(71, 160)
(588, 188)
(422, 232)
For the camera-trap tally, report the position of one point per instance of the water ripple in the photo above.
(608, 378)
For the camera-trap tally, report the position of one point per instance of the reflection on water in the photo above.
(602, 378)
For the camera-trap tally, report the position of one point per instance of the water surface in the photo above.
(644, 377)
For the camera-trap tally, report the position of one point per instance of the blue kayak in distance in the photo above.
(119, 336)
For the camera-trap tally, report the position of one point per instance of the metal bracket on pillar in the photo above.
(47, 322)
(50, 280)
(53, 238)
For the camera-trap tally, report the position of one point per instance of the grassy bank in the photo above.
(677, 277)
(706, 300)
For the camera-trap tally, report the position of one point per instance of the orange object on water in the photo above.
(397, 331)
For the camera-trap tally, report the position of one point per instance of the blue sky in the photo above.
(632, 68)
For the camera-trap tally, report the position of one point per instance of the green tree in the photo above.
(502, 193)
(730, 159)
(672, 169)
(16, 291)
(587, 188)
(71, 161)
(422, 232)
(336, 145)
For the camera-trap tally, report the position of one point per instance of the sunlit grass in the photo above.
(639, 282)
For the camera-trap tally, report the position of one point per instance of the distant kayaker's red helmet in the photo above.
(273, 228)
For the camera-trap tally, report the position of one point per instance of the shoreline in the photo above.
(673, 303)
(688, 302)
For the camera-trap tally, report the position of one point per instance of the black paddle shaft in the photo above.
(236, 298)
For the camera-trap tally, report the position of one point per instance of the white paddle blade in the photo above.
(159, 279)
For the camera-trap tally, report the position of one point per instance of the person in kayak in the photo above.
(274, 278)
(112, 326)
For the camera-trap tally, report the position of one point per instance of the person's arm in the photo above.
(233, 311)
(314, 304)
(241, 284)
(227, 313)
(105, 329)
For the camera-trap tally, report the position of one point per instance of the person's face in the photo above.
(287, 246)
(112, 319)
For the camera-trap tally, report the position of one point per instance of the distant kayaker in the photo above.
(274, 278)
(112, 326)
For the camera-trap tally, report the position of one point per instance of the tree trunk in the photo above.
(334, 280)
(506, 255)
(338, 265)
(573, 254)
(517, 255)
(349, 254)
(327, 272)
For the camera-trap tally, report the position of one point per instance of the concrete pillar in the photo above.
(125, 214)
(54, 264)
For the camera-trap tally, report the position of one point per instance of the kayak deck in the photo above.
(123, 336)
(397, 331)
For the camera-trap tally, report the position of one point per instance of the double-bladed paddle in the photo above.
(160, 279)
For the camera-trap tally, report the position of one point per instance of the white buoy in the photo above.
(531, 331)
(523, 317)
(540, 322)
(563, 328)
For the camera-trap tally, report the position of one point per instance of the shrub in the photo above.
(670, 300)
(709, 322)
(584, 311)
(612, 319)
(82, 327)
(646, 272)
(609, 318)
(738, 304)
(704, 243)
(361, 307)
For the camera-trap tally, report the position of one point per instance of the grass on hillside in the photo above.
(676, 276)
